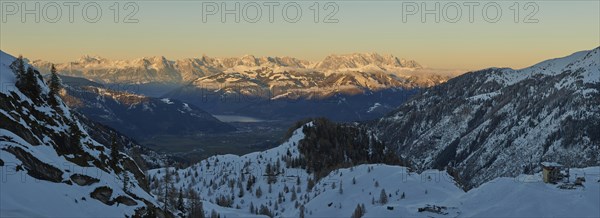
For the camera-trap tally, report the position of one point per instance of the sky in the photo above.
(183, 29)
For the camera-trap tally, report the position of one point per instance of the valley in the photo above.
(249, 137)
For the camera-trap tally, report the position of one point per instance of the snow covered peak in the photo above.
(359, 60)
(584, 63)
(92, 59)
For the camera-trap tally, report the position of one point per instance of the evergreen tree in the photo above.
(341, 189)
(180, 205)
(294, 196)
(264, 210)
(18, 67)
(258, 192)
(75, 135)
(166, 187)
(383, 197)
(358, 211)
(241, 192)
(55, 85)
(114, 152)
(301, 211)
(30, 84)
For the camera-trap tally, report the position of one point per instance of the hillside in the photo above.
(264, 183)
(51, 166)
(503, 122)
(135, 115)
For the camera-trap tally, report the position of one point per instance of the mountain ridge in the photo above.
(52, 163)
(187, 69)
(478, 121)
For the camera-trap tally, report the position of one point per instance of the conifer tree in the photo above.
(18, 67)
(74, 135)
(55, 85)
(30, 84)
(166, 187)
(180, 205)
(358, 211)
(383, 198)
(301, 211)
(114, 152)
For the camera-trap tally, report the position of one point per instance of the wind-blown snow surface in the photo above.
(39, 171)
(524, 196)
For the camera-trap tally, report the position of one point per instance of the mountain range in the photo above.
(160, 73)
(161, 70)
(357, 86)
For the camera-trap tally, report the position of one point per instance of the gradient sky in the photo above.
(174, 29)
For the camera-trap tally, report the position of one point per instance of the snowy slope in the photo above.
(339, 193)
(503, 122)
(44, 174)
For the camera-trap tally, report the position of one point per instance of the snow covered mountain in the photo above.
(265, 87)
(135, 115)
(50, 164)
(369, 71)
(273, 183)
(503, 122)
(365, 62)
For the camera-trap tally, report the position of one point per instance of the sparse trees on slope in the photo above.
(195, 208)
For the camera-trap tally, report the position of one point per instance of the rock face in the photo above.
(503, 122)
(52, 163)
(83, 180)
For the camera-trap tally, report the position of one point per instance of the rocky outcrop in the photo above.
(36, 168)
(83, 180)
